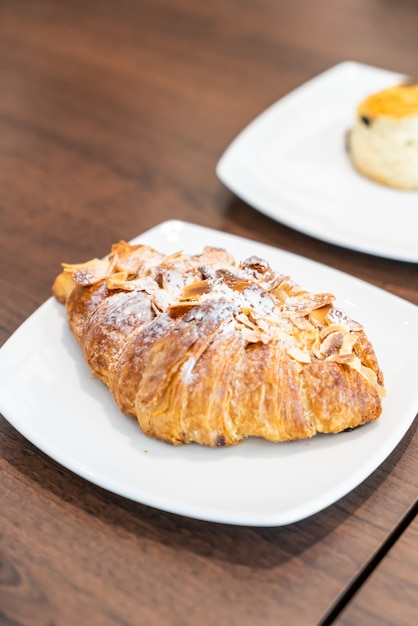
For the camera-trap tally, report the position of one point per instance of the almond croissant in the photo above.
(200, 348)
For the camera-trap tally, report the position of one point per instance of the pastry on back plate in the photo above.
(200, 348)
(383, 143)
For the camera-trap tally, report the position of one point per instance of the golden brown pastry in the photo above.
(200, 348)
(383, 143)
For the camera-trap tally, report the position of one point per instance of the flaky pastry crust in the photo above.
(202, 349)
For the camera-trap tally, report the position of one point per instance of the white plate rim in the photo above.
(240, 171)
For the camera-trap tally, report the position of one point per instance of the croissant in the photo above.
(203, 349)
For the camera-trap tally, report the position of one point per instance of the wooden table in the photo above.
(113, 115)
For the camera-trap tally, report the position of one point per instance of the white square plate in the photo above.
(291, 163)
(47, 393)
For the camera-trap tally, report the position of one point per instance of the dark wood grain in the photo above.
(113, 115)
(391, 590)
(70, 550)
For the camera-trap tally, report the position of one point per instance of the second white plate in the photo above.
(291, 164)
